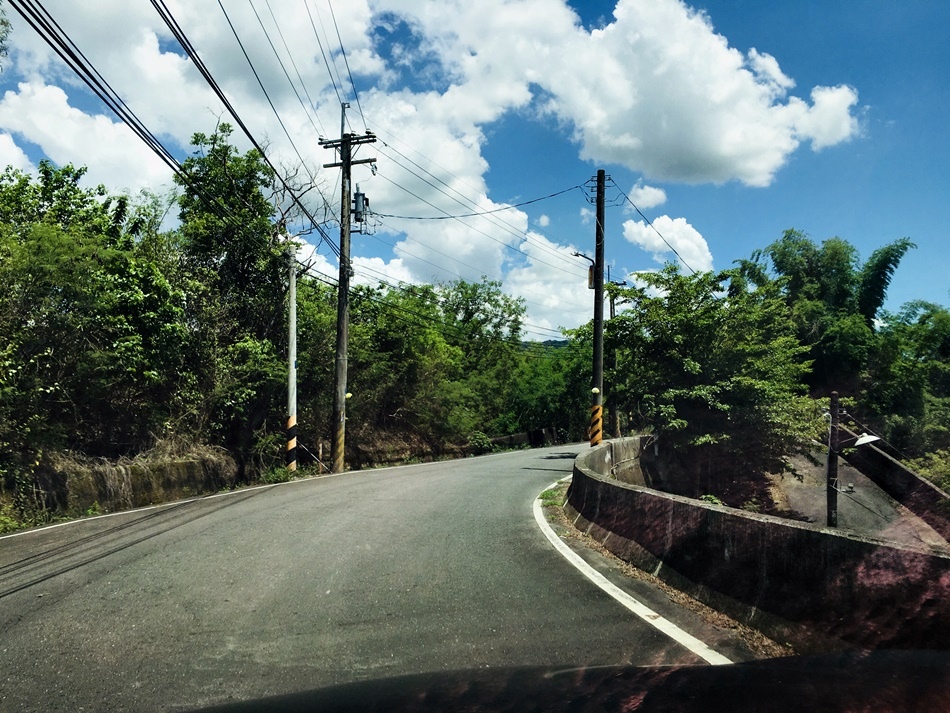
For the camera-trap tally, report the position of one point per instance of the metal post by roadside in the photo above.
(832, 479)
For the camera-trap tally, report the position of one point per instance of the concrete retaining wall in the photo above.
(74, 486)
(815, 588)
(920, 496)
(536, 438)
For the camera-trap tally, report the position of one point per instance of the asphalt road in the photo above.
(304, 585)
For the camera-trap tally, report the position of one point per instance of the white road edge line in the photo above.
(698, 647)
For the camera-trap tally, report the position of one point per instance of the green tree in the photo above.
(400, 363)
(92, 329)
(316, 345)
(908, 396)
(229, 240)
(4, 33)
(485, 324)
(234, 267)
(835, 300)
(717, 377)
(551, 389)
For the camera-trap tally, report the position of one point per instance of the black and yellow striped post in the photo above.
(596, 429)
(292, 443)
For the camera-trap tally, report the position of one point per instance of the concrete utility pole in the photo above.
(346, 144)
(292, 360)
(596, 411)
(832, 484)
(613, 417)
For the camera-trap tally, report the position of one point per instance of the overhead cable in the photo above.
(443, 327)
(510, 206)
(346, 62)
(260, 83)
(51, 33)
(192, 53)
(323, 51)
(462, 200)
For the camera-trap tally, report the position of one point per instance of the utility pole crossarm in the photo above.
(338, 164)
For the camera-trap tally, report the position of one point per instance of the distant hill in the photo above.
(556, 343)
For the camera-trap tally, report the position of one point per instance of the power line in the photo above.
(347, 63)
(326, 60)
(311, 103)
(77, 61)
(395, 139)
(258, 78)
(192, 53)
(866, 429)
(480, 213)
(273, 48)
(51, 33)
(446, 330)
(441, 268)
(283, 67)
(477, 230)
(130, 119)
(383, 279)
(308, 108)
(462, 200)
(512, 229)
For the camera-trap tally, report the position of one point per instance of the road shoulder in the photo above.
(735, 641)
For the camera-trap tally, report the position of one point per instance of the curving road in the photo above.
(300, 586)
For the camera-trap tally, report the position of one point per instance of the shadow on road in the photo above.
(895, 681)
(42, 566)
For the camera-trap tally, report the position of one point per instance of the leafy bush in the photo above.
(479, 443)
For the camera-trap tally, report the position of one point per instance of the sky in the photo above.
(725, 122)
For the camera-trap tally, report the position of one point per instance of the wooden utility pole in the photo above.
(346, 145)
(596, 411)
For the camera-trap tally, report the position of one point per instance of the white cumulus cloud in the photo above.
(42, 114)
(645, 197)
(680, 236)
(554, 285)
(13, 155)
(654, 88)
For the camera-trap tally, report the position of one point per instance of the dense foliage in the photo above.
(835, 301)
(116, 335)
(716, 376)
(894, 366)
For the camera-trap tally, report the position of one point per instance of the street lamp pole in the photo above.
(834, 447)
(613, 418)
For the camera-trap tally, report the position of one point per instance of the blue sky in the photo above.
(727, 121)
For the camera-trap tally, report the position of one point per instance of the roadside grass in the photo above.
(554, 497)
